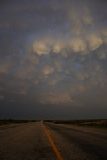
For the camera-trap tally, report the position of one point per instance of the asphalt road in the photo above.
(24, 142)
(30, 142)
(80, 143)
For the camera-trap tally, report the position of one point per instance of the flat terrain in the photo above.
(28, 141)
(24, 142)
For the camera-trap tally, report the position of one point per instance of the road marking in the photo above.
(54, 147)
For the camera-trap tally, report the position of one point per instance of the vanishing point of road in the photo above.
(49, 141)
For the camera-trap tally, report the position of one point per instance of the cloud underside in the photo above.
(56, 98)
(83, 35)
(80, 45)
(57, 61)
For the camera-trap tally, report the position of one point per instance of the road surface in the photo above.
(80, 143)
(38, 141)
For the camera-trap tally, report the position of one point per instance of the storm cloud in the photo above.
(53, 59)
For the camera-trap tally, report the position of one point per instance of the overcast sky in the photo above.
(53, 59)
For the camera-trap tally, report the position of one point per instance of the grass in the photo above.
(13, 121)
(99, 123)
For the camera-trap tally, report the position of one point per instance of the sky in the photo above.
(53, 59)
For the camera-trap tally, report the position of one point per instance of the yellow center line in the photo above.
(53, 146)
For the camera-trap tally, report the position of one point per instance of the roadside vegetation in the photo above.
(100, 123)
(13, 121)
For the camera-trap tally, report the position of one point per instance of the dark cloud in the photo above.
(53, 58)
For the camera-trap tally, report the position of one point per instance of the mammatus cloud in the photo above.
(27, 67)
(56, 98)
(79, 88)
(94, 41)
(80, 19)
(82, 76)
(41, 48)
(104, 35)
(76, 44)
(53, 52)
(47, 70)
(54, 80)
(24, 72)
(58, 47)
(90, 72)
(58, 66)
(81, 37)
(102, 55)
(5, 67)
(46, 45)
